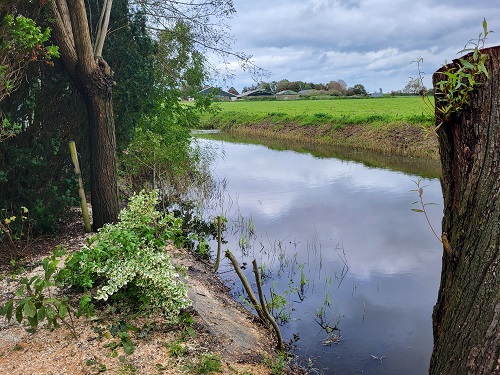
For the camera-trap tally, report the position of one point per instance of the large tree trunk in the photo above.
(93, 78)
(103, 178)
(466, 315)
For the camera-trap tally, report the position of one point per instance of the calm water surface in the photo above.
(369, 266)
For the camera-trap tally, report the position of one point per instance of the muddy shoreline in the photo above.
(399, 139)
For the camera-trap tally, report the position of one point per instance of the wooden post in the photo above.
(81, 192)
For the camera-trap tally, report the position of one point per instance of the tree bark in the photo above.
(103, 169)
(466, 315)
(93, 78)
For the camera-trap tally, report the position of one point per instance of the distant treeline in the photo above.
(334, 88)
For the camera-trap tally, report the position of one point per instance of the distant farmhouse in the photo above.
(253, 93)
(287, 95)
(232, 90)
(220, 94)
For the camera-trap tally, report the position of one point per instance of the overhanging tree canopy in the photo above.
(83, 53)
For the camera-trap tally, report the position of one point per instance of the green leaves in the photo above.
(452, 94)
(21, 42)
(128, 259)
(7, 310)
(29, 309)
(420, 191)
(33, 300)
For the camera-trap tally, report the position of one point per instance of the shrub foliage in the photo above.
(128, 260)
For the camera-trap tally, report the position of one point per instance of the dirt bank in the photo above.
(407, 140)
(221, 328)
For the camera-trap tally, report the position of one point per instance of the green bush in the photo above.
(35, 301)
(36, 175)
(128, 261)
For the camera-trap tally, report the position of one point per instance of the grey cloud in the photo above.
(360, 40)
(323, 58)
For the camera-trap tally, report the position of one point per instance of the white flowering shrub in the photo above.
(128, 260)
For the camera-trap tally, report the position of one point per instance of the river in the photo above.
(358, 269)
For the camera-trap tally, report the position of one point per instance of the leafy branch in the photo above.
(35, 302)
(21, 42)
(452, 92)
(420, 191)
(424, 92)
(15, 227)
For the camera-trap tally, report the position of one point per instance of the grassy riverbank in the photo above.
(390, 125)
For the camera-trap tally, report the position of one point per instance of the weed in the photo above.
(15, 227)
(330, 325)
(146, 330)
(276, 114)
(207, 364)
(202, 248)
(458, 80)
(246, 230)
(278, 365)
(279, 307)
(124, 342)
(160, 368)
(301, 291)
(186, 325)
(35, 302)
(420, 191)
(452, 92)
(176, 349)
(17, 267)
(265, 272)
(127, 369)
(96, 366)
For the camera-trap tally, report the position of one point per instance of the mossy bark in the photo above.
(466, 315)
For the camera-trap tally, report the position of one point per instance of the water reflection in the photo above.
(423, 167)
(370, 263)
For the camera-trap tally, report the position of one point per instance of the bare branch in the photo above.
(63, 33)
(81, 35)
(102, 28)
(209, 30)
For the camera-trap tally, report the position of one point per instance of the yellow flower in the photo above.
(8, 220)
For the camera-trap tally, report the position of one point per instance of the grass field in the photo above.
(389, 125)
(374, 111)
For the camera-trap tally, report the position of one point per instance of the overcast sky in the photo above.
(371, 42)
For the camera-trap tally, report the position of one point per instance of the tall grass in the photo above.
(373, 111)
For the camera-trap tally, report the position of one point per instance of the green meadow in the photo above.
(337, 112)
